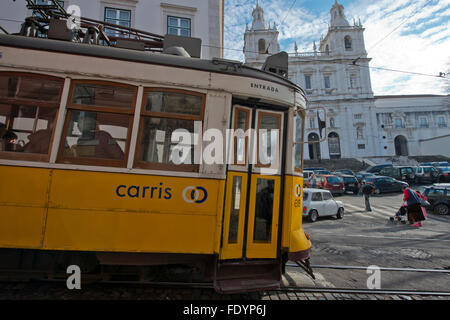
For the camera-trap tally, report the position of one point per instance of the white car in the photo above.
(320, 203)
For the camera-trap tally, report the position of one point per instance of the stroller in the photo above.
(401, 215)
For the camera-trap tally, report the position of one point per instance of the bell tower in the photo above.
(261, 40)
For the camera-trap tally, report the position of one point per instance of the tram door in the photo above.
(252, 199)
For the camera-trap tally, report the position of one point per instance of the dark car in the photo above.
(322, 172)
(386, 184)
(438, 196)
(363, 175)
(344, 171)
(444, 174)
(377, 168)
(350, 183)
(330, 182)
(427, 174)
(402, 173)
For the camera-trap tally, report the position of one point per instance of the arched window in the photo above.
(334, 146)
(262, 46)
(359, 132)
(314, 146)
(348, 43)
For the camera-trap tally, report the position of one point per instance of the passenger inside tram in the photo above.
(94, 142)
(39, 141)
(7, 138)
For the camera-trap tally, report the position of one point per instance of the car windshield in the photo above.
(349, 179)
(305, 195)
(333, 180)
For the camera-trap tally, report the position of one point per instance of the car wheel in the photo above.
(340, 213)
(441, 209)
(313, 215)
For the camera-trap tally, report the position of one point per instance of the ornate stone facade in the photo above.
(337, 77)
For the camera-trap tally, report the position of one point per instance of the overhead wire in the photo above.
(347, 64)
(440, 76)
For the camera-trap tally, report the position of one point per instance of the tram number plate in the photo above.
(297, 203)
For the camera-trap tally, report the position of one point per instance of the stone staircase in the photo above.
(335, 164)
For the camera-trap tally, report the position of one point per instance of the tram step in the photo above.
(245, 285)
(243, 277)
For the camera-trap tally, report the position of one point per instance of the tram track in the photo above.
(129, 286)
(365, 291)
(96, 285)
(341, 267)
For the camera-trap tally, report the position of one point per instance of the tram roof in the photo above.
(216, 66)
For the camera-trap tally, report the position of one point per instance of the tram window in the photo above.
(241, 124)
(269, 135)
(30, 88)
(262, 231)
(110, 96)
(158, 146)
(28, 108)
(98, 124)
(96, 135)
(166, 134)
(235, 209)
(298, 150)
(174, 102)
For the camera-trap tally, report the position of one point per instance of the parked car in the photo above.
(330, 182)
(402, 173)
(444, 174)
(307, 174)
(386, 184)
(438, 196)
(363, 175)
(322, 172)
(435, 164)
(312, 169)
(377, 168)
(320, 203)
(344, 171)
(350, 183)
(426, 174)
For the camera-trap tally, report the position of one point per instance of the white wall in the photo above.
(147, 15)
(435, 146)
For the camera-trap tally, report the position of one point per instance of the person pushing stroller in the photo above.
(413, 208)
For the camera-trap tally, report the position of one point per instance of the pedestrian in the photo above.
(367, 191)
(413, 202)
(423, 204)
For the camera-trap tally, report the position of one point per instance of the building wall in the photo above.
(148, 15)
(435, 146)
(356, 115)
(410, 110)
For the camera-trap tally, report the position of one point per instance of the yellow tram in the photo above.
(90, 176)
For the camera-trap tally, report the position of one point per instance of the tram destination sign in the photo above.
(263, 87)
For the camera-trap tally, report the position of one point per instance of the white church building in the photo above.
(336, 76)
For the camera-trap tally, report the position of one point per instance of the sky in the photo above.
(403, 35)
